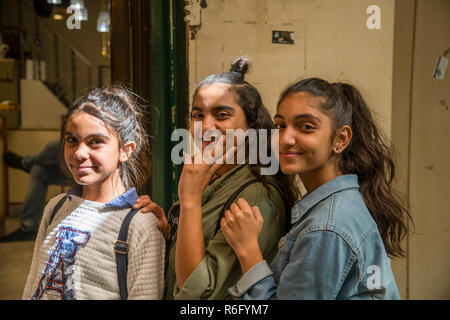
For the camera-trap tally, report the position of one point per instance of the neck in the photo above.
(105, 191)
(315, 178)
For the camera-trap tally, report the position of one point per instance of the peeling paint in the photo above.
(443, 103)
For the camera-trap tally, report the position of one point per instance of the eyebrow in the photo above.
(216, 108)
(94, 135)
(300, 116)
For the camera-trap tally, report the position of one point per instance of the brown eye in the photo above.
(307, 127)
(222, 115)
(196, 115)
(71, 140)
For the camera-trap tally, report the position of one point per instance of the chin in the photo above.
(290, 169)
(83, 180)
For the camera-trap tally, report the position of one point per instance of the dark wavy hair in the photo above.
(122, 113)
(257, 116)
(368, 156)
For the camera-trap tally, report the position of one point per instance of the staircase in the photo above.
(65, 72)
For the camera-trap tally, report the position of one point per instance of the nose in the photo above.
(81, 152)
(287, 137)
(208, 123)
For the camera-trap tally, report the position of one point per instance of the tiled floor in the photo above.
(15, 261)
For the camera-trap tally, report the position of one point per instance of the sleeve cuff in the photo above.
(258, 272)
(195, 285)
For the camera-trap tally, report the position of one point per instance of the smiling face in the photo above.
(215, 106)
(91, 151)
(305, 138)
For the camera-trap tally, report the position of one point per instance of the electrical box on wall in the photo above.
(282, 37)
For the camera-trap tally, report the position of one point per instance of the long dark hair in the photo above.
(257, 116)
(368, 156)
(122, 113)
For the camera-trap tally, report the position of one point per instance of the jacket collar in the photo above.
(125, 200)
(348, 181)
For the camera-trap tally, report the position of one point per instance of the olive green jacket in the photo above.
(220, 268)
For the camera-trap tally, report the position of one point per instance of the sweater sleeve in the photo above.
(145, 277)
(220, 267)
(35, 262)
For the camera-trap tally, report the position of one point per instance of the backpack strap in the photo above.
(56, 208)
(233, 197)
(121, 248)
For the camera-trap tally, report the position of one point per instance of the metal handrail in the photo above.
(58, 42)
(60, 37)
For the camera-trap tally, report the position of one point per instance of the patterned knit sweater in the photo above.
(74, 256)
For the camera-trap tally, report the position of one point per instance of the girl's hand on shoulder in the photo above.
(147, 205)
(241, 226)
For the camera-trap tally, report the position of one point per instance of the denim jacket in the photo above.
(332, 251)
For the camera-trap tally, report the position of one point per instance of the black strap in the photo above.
(56, 208)
(121, 249)
(233, 197)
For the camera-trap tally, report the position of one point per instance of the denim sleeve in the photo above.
(315, 268)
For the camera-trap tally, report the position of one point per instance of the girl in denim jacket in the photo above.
(351, 219)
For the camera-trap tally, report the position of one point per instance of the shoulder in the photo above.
(263, 195)
(144, 220)
(348, 211)
(144, 224)
(51, 205)
(343, 209)
(54, 201)
(260, 191)
(345, 214)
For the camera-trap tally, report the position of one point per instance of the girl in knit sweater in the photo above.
(104, 147)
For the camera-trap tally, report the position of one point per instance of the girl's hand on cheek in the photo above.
(196, 175)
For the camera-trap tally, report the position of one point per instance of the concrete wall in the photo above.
(429, 185)
(331, 40)
(39, 108)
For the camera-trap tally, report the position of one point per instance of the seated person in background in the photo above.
(44, 170)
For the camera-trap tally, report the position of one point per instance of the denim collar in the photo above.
(125, 200)
(340, 183)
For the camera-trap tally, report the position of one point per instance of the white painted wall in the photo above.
(40, 108)
(331, 38)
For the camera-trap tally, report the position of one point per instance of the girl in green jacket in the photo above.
(200, 263)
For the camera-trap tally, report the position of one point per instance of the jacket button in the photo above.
(281, 243)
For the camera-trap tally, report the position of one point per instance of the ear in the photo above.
(342, 139)
(126, 151)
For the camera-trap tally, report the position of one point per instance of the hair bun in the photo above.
(240, 67)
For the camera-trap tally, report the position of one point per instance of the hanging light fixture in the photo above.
(54, 1)
(103, 21)
(80, 9)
